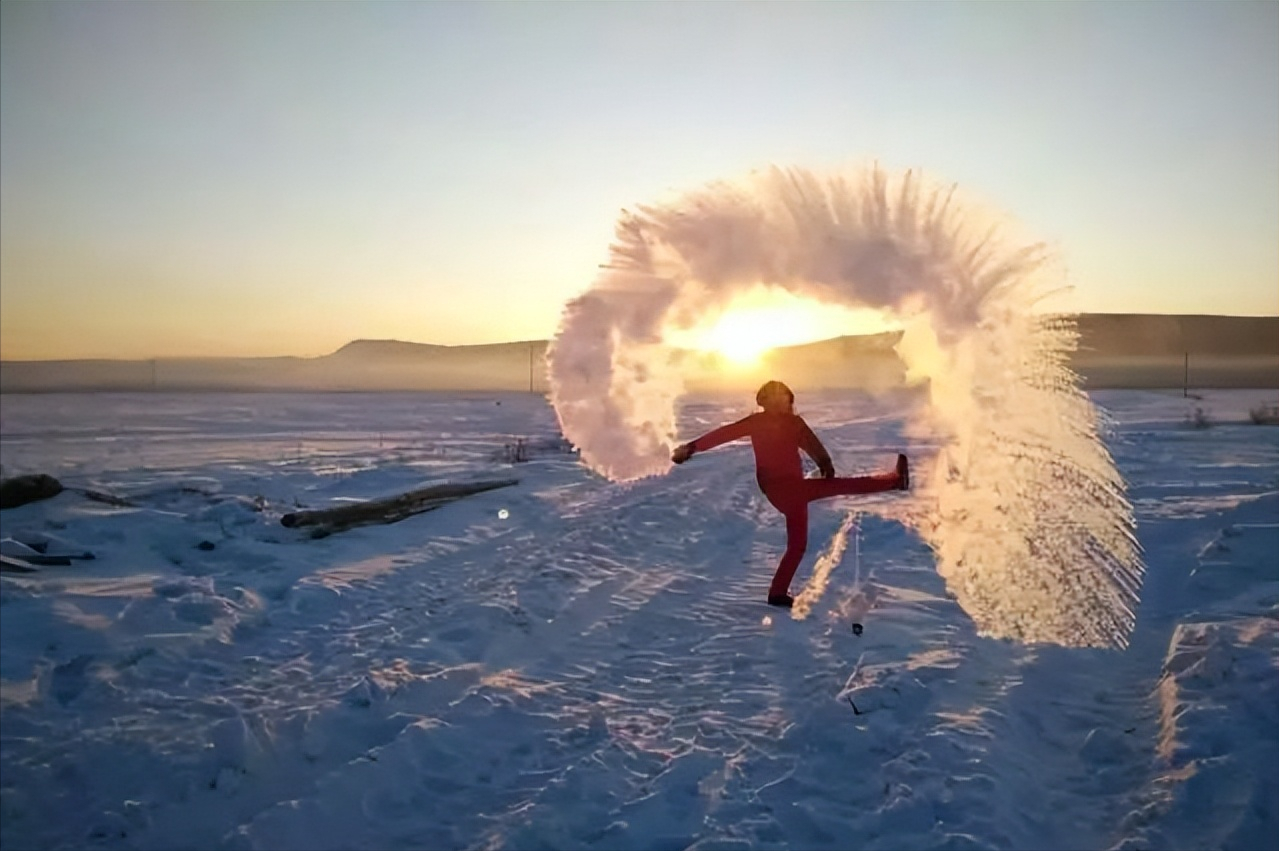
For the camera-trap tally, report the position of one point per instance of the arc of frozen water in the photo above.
(1028, 517)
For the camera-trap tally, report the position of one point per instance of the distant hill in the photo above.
(1116, 350)
(1152, 335)
(359, 349)
(1151, 350)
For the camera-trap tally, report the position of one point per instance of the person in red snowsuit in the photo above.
(777, 434)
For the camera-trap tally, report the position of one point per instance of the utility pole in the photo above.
(530, 367)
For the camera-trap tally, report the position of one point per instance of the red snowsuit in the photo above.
(777, 438)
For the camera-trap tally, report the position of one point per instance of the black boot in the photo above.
(903, 473)
(786, 601)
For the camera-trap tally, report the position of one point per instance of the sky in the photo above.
(247, 179)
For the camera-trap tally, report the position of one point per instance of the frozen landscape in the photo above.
(572, 662)
(346, 353)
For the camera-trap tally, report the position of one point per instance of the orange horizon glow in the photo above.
(764, 319)
(741, 335)
(263, 180)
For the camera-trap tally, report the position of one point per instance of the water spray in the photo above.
(1025, 511)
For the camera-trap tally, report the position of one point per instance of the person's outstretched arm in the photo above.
(723, 434)
(810, 444)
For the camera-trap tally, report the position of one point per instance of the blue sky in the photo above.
(279, 178)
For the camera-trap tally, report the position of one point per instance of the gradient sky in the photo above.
(279, 178)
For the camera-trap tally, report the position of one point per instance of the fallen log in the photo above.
(10, 564)
(47, 561)
(37, 553)
(387, 510)
(108, 498)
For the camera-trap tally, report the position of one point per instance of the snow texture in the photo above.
(597, 669)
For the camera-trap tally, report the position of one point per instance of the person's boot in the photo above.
(903, 472)
(785, 601)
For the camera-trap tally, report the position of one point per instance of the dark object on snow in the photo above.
(389, 510)
(12, 564)
(108, 498)
(47, 561)
(204, 545)
(20, 490)
(517, 452)
(1265, 415)
(36, 554)
(857, 629)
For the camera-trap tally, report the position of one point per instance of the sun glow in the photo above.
(766, 319)
(742, 336)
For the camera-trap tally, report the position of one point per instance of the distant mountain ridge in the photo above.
(1146, 334)
(366, 348)
(1115, 350)
(357, 349)
(1139, 334)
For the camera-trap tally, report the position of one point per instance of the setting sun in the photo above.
(766, 319)
(743, 336)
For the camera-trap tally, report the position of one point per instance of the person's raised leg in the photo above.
(899, 479)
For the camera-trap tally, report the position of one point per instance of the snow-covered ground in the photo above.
(571, 663)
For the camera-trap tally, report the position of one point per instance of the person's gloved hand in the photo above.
(682, 453)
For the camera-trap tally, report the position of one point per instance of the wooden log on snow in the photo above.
(108, 498)
(388, 510)
(10, 564)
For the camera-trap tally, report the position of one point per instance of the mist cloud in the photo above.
(1026, 513)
